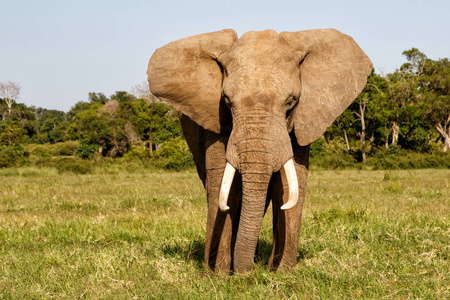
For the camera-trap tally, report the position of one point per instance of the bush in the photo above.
(68, 148)
(139, 153)
(317, 148)
(403, 159)
(12, 156)
(67, 165)
(174, 155)
(394, 150)
(334, 161)
(87, 151)
(75, 166)
(40, 151)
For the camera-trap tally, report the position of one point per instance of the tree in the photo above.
(9, 91)
(359, 119)
(422, 87)
(106, 123)
(405, 103)
(10, 133)
(342, 127)
(51, 126)
(377, 116)
(77, 108)
(142, 91)
(94, 128)
(12, 153)
(153, 123)
(362, 103)
(122, 96)
(436, 90)
(97, 98)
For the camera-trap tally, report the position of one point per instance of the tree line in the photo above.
(407, 110)
(109, 126)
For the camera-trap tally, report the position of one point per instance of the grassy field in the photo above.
(139, 234)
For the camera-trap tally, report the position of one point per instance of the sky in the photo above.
(59, 51)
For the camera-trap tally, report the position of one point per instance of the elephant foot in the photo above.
(280, 266)
(220, 262)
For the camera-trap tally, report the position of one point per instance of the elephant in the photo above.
(249, 108)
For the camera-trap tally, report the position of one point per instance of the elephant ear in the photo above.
(185, 73)
(333, 73)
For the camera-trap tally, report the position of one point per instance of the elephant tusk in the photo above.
(225, 187)
(292, 181)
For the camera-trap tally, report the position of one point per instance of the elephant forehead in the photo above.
(252, 74)
(256, 81)
(261, 62)
(261, 65)
(264, 54)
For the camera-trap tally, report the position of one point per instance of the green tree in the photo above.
(12, 153)
(122, 96)
(108, 123)
(22, 115)
(404, 105)
(52, 126)
(152, 122)
(94, 128)
(77, 108)
(435, 87)
(360, 122)
(165, 124)
(97, 98)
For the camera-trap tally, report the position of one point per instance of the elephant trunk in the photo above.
(255, 182)
(258, 146)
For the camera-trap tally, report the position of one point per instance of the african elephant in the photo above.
(249, 109)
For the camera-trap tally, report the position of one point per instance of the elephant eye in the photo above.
(290, 102)
(227, 101)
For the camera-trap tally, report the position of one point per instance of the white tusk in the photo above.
(291, 176)
(225, 187)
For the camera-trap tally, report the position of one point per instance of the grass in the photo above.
(131, 233)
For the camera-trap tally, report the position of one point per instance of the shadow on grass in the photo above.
(194, 251)
(264, 250)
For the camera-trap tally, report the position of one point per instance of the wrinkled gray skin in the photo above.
(256, 102)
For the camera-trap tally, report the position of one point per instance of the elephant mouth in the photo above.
(291, 177)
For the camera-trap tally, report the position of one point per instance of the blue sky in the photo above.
(59, 51)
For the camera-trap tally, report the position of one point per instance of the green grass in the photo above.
(132, 233)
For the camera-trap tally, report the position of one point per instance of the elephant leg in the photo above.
(195, 138)
(286, 224)
(221, 228)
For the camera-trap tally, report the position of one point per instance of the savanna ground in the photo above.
(133, 233)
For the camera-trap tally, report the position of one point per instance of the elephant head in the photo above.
(256, 90)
